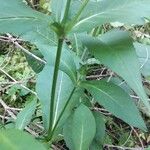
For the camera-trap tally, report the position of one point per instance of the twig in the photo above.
(122, 147)
(127, 138)
(1, 70)
(7, 107)
(140, 140)
(24, 50)
(4, 117)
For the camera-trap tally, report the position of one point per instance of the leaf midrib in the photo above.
(18, 17)
(91, 85)
(81, 143)
(25, 116)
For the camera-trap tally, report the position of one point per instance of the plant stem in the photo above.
(66, 11)
(54, 84)
(61, 114)
(56, 68)
(75, 19)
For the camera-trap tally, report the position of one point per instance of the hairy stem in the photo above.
(54, 84)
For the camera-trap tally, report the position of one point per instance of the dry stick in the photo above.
(14, 117)
(11, 83)
(122, 148)
(4, 117)
(127, 138)
(3, 40)
(140, 140)
(7, 39)
(54, 147)
(7, 107)
(25, 50)
(1, 70)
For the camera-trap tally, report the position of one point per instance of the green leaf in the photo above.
(143, 53)
(63, 90)
(68, 135)
(20, 20)
(115, 50)
(106, 11)
(83, 128)
(100, 128)
(119, 82)
(24, 117)
(40, 36)
(15, 13)
(58, 9)
(18, 140)
(115, 100)
(67, 63)
(100, 132)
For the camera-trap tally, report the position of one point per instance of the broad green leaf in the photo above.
(106, 11)
(83, 128)
(24, 117)
(40, 36)
(16, 17)
(20, 20)
(67, 63)
(119, 82)
(115, 50)
(100, 128)
(18, 140)
(63, 91)
(10, 125)
(100, 132)
(67, 132)
(115, 100)
(58, 9)
(143, 53)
